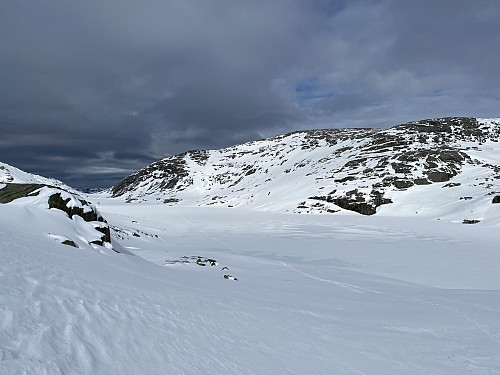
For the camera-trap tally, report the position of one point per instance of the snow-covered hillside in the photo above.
(334, 170)
(13, 175)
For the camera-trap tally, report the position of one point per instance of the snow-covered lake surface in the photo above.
(315, 294)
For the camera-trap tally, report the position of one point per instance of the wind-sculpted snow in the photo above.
(337, 294)
(362, 170)
(39, 200)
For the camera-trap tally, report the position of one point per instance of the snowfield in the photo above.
(317, 294)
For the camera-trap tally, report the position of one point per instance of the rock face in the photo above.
(14, 191)
(167, 173)
(323, 170)
(84, 210)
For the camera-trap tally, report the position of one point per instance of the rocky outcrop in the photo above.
(15, 191)
(62, 200)
(86, 211)
(166, 172)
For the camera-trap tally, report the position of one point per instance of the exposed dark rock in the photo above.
(378, 198)
(401, 167)
(355, 201)
(89, 214)
(171, 200)
(206, 261)
(69, 243)
(199, 260)
(429, 126)
(355, 163)
(386, 182)
(344, 149)
(166, 172)
(382, 142)
(345, 179)
(431, 162)
(452, 184)
(450, 155)
(106, 233)
(421, 181)
(403, 184)
(438, 176)
(353, 205)
(14, 191)
(367, 171)
(474, 221)
(496, 199)
(56, 201)
(199, 156)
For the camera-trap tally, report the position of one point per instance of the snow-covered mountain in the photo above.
(454, 160)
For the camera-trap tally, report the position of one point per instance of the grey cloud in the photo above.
(116, 84)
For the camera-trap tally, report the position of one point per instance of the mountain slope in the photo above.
(331, 170)
(10, 174)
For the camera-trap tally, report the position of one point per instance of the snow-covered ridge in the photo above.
(10, 174)
(330, 170)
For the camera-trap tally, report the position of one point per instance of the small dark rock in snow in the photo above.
(69, 243)
(474, 221)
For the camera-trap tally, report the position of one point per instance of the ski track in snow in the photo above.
(357, 289)
(438, 305)
(352, 288)
(195, 228)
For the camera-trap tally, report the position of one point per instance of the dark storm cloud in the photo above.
(92, 90)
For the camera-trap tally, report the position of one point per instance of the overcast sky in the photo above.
(93, 90)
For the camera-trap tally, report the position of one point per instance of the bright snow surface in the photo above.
(316, 294)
